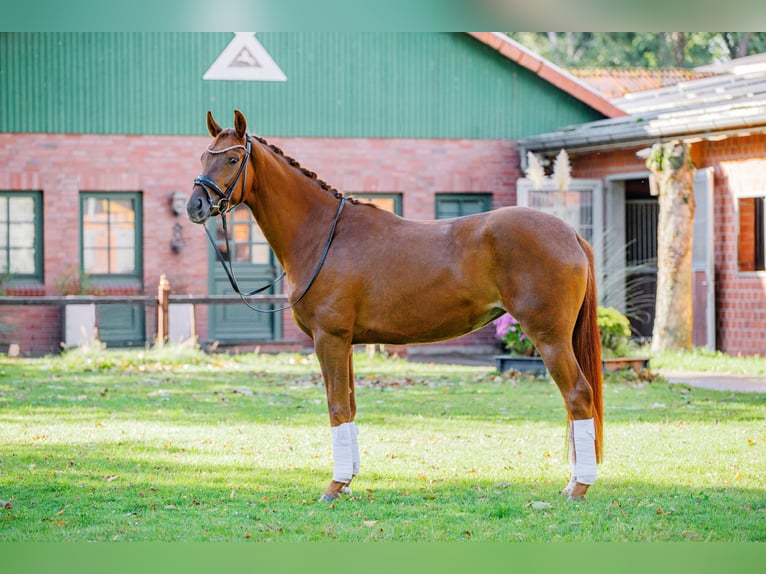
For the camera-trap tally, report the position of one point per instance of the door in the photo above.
(703, 261)
(121, 325)
(254, 265)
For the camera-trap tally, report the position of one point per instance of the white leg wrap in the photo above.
(584, 441)
(342, 452)
(570, 486)
(355, 461)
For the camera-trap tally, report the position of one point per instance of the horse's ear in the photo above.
(212, 125)
(240, 124)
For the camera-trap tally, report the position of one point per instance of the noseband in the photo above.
(208, 184)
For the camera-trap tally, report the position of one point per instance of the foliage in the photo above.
(188, 447)
(615, 333)
(72, 282)
(641, 49)
(511, 336)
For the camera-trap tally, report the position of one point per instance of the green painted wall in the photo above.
(413, 85)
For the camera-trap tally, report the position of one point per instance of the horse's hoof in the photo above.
(328, 498)
(582, 498)
(567, 490)
(346, 490)
(578, 491)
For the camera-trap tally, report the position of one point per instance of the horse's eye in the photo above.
(233, 160)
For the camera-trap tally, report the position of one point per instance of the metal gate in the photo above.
(641, 217)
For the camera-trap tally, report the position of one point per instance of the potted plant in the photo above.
(618, 351)
(521, 353)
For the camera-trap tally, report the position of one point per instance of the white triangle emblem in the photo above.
(245, 59)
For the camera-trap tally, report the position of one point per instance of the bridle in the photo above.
(208, 184)
(224, 205)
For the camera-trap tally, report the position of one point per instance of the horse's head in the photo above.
(222, 184)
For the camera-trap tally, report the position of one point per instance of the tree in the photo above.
(673, 181)
(641, 49)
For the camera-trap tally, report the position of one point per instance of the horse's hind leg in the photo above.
(335, 359)
(577, 393)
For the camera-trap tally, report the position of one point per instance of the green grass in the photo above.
(176, 445)
(704, 360)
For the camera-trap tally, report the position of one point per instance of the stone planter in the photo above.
(638, 364)
(531, 365)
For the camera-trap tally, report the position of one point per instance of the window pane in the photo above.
(22, 209)
(121, 211)
(3, 260)
(3, 209)
(22, 235)
(95, 261)
(22, 261)
(123, 261)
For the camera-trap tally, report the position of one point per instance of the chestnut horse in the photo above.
(380, 278)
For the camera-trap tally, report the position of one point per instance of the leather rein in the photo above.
(224, 205)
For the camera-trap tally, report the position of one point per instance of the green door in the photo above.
(254, 265)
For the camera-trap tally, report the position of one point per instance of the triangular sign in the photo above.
(245, 59)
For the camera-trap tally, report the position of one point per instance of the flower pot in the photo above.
(531, 365)
(638, 364)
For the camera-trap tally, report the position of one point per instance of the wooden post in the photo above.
(163, 301)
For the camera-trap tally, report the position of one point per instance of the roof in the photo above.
(548, 71)
(732, 101)
(616, 82)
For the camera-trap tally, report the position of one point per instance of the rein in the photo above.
(224, 206)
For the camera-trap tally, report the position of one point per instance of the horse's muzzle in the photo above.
(198, 207)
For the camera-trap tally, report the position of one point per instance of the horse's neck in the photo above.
(293, 212)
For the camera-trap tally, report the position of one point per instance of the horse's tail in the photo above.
(586, 341)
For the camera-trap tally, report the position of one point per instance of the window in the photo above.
(459, 204)
(21, 235)
(751, 242)
(389, 201)
(110, 232)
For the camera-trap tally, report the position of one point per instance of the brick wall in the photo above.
(63, 165)
(739, 168)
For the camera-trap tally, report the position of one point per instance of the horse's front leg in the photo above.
(335, 358)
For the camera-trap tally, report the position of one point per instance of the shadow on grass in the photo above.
(139, 492)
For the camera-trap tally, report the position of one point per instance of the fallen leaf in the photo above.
(540, 505)
(6, 505)
(111, 478)
(62, 523)
(370, 523)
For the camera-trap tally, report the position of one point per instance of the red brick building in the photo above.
(99, 133)
(723, 118)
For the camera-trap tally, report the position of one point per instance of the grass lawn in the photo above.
(175, 445)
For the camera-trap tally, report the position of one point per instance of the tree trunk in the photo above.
(673, 174)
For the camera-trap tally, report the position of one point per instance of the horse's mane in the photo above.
(307, 172)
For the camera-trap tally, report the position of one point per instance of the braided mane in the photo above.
(307, 172)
